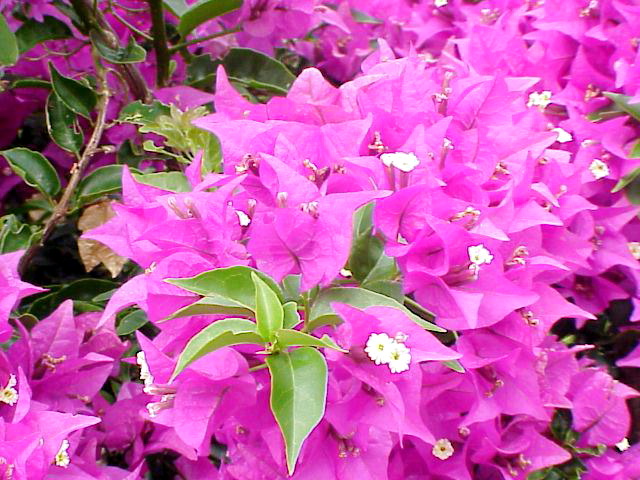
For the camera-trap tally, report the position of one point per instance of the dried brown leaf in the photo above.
(93, 253)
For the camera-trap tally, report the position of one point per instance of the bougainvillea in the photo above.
(319, 240)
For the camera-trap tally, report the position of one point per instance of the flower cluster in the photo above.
(389, 351)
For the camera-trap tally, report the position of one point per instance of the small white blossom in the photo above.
(634, 248)
(563, 135)
(346, 273)
(379, 348)
(479, 255)
(623, 444)
(62, 457)
(145, 373)
(403, 161)
(599, 169)
(399, 357)
(243, 218)
(9, 394)
(539, 99)
(448, 144)
(401, 337)
(440, 3)
(442, 449)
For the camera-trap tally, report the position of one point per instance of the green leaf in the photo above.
(592, 451)
(100, 182)
(129, 154)
(561, 424)
(30, 82)
(622, 101)
(454, 365)
(605, 113)
(269, 313)
(75, 95)
(323, 314)
(388, 288)
(291, 315)
(171, 181)
(131, 322)
(104, 296)
(222, 333)
(298, 396)
(141, 113)
(83, 290)
(635, 150)
(256, 70)
(177, 7)
(291, 288)
(32, 32)
(34, 169)
(9, 50)
(294, 338)
(204, 11)
(226, 290)
(632, 190)
(231, 282)
(132, 53)
(366, 249)
(201, 71)
(626, 180)
(212, 157)
(362, 17)
(15, 235)
(62, 125)
(367, 261)
(213, 305)
(363, 220)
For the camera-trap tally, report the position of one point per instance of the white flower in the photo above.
(402, 161)
(399, 357)
(346, 273)
(379, 347)
(145, 373)
(479, 255)
(440, 3)
(599, 169)
(243, 218)
(634, 248)
(62, 457)
(563, 135)
(9, 394)
(539, 99)
(623, 444)
(442, 449)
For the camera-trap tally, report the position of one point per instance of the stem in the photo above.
(159, 31)
(123, 21)
(60, 210)
(307, 311)
(94, 21)
(179, 46)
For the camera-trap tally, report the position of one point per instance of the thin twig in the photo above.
(179, 46)
(130, 9)
(126, 23)
(60, 210)
(159, 31)
(94, 21)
